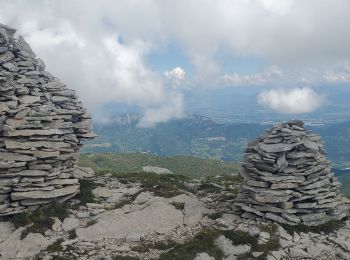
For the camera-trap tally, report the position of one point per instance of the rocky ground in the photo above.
(161, 216)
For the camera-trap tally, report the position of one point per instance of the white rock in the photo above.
(278, 254)
(257, 254)
(6, 229)
(157, 170)
(94, 206)
(83, 172)
(57, 224)
(115, 197)
(297, 252)
(102, 192)
(133, 237)
(263, 237)
(97, 211)
(194, 211)
(27, 99)
(15, 248)
(31, 245)
(70, 223)
(203, 256)
(9, 247)
(82, 214)
(229, 249)
(157, 217)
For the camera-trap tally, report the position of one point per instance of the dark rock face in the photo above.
(42, 124)
(289, 180)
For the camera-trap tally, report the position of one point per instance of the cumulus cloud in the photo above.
(176, 76)
(262, 78)
(338, 74)
(291, 101)
(172, 109)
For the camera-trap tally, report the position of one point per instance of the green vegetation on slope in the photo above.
(204, 241)
(133, 162)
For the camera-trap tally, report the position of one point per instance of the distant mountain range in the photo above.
(202, 137)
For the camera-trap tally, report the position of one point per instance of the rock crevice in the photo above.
(288, 178)
(42, 124)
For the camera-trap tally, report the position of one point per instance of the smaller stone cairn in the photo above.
(288, 179)
(42, 124)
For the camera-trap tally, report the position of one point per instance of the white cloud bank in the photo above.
(99, 47)
(291, 101)
(267, 76)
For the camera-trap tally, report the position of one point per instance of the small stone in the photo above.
(82, 214)
(157, 170)
(229, 249)
(57, 224)
(297, 252)
(133, 237)
(115, 197)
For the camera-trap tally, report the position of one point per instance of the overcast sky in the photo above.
(146, 53)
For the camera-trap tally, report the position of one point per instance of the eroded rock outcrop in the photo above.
(289, 180)
(42, 124)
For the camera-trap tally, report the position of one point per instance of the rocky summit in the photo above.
(42, 124)
(289, 180)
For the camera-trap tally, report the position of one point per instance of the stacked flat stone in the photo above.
(42, 125)
(288, 179)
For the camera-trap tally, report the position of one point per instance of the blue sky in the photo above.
(149, 55)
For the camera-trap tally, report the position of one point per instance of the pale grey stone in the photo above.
(44, 194)
(157, 170)
(83, 172)
(70, 223)
(6, 229)
(157, 217)
(203, 256)
(297, 252)
(115, 197)
(276, 148)
(228, 248)
(57, 224)
(102, 192)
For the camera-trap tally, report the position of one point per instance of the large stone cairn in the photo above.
(42, 125)
(288, 179)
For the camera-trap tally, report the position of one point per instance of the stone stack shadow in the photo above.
(42, 124)
(289, 180)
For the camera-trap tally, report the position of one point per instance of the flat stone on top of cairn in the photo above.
(42, 124)
(288, 179)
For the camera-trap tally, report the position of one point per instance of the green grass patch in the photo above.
(120, 257)
(122, 203)
(164, 185)
(85, 195)
(133, 162)
(40, 220)
(179, 205)
(91, 222)
(326, 228)
(161, 245)
(202, 242)
(218, 184)
(216, 215)
(72, 234)
(59, 257)
(242, 238)
(55, 247)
